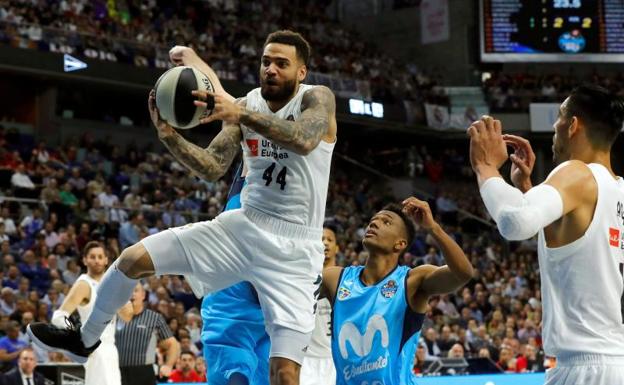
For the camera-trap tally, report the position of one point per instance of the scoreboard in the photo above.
(552, 30)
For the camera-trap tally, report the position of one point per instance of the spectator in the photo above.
(77, 182)
(12, 277)
(11, 345)
(504, 359)
(433, 350)
(67, 196)
(23, 288)
(37, 274)
(185, 371)
(129, 231)
(535, 363)
(446, 341)
(51, 237)
(24, 373)
(200, 368)
(3, 235)
(456, 351)
(7, 301)
(32, 224)
(21, 181)
(9, 224)
(72, 273)
(419, 360)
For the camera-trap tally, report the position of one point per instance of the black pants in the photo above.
(137, 375)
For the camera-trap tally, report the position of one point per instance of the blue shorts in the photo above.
(234, 337)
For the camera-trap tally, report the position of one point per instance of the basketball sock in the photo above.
(114, 291)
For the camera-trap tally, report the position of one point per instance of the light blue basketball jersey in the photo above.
(371, 328)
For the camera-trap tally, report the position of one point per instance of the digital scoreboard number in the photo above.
(552, 30)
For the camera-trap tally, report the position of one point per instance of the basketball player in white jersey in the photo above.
(287, 132)
(318, 366)
(578, 214)
(102, 367)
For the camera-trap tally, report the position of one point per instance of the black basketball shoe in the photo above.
(67, 341)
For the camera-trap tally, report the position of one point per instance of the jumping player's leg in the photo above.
(204, 249)
(116, 288)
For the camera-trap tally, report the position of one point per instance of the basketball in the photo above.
(174, 99)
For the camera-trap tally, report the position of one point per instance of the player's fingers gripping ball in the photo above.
(174, 98)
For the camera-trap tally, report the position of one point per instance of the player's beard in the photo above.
(277, 94)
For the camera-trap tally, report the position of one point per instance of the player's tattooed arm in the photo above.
(212, 162)
(318, 108)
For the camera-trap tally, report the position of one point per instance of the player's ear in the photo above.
(302, 71)
(400, 245)
(573, 129)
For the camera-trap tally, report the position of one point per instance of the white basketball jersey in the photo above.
(280, 182)
(320, 344)
(582, 282)
(85, 310)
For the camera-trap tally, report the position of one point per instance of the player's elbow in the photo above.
(211, 176)
(304, 148)
(465, 274)
(517, 224)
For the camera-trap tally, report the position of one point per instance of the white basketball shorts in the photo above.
(102, 367)
(587, 369)
(317, 371)
(282, 260)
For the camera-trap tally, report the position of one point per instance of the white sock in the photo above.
(114, 291)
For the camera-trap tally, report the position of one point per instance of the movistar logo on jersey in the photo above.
(362, 344)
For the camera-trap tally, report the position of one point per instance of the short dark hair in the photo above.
(410, 228)
(331, 226)
(190, 353)
(291, 38)
(601, 111)
(90, 245)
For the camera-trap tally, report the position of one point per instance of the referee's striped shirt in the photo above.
(136, 341)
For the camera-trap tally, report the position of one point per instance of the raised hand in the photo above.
(487, 147)
(420, 212)
(179, 53)
(522, 161)
(164, 129)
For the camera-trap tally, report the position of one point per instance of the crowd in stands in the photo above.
(92, 189)
(514, 91)
(228, 34)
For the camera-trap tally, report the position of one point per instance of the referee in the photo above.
(136, 343)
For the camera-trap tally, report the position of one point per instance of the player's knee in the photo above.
(284, 372)
(135, 262)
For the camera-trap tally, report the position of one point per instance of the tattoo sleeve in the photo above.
(212, 162)
(318, 106)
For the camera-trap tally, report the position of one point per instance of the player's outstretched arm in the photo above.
(521, 215)
(428, 280)
(318, 115)
(209, 163)
(80, 292)
(181, 55)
